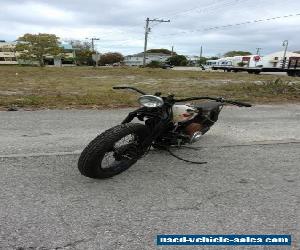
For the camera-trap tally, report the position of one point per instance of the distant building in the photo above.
(137, 59)
(8, 56)
(193, 60)
(67, 59)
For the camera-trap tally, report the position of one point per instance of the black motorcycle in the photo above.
(166, 122)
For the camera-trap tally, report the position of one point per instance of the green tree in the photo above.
(178, 60)
(237, 53)
(83, 53)
(163, 51)
(110, 58)
(34, 47)
(213, 58)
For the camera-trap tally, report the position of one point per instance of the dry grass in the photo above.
(85, 87)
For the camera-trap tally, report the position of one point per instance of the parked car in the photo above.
(166, 66)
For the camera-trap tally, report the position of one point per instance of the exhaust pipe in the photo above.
(196, 137)
(194, 131)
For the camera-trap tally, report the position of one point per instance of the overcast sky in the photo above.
(120, 23)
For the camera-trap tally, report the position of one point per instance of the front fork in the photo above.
(158, 129)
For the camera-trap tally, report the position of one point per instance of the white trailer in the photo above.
(276, 60)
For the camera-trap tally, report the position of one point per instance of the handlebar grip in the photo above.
(241, 104)
(119, 87)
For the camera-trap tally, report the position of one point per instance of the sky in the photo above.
(120, 24)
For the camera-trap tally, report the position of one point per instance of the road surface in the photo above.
(249, 186)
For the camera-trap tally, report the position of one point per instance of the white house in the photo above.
(7, 53)
(193, 60)
(275, 60)
(137, 59)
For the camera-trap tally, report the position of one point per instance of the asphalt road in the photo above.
(249, 186)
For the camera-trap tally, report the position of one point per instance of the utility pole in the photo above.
(172, 51)
(74, 51)
(200, 56)
(93, 49)
(286, 44)
(201, 52)
(257, 51)
(147, 30)
(93, 45)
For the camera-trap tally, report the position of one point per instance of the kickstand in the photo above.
(188, 147)
(179, 158)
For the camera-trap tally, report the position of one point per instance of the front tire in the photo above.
(94, 159)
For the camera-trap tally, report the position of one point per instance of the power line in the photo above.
(233, 25)
(249, 22)
(203, 8)
(206, 9)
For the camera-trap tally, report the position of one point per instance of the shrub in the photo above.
(154, 64)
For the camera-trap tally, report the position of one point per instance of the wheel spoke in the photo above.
(124, 149)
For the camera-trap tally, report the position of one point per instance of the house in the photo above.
(193, 60)
(7, 53)
(275, 60)
(66, 59)
(137, 59)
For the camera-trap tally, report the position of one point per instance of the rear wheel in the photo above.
(113, 151)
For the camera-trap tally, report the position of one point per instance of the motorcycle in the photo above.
(166, 121)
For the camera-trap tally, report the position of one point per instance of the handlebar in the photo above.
(240, 104)
(127, 87)
(219, 99)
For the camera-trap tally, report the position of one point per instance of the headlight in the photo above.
(151, 101)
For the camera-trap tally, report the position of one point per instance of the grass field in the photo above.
(85, 87)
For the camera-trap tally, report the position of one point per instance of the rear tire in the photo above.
(91, 161)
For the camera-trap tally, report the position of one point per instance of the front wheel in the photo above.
(113, 151)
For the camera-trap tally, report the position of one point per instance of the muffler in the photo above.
(195, 137)
(194, 131)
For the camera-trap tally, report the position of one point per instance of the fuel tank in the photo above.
(182, 112)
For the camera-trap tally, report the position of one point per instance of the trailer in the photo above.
(290, 71)
(291, 67)
(250, 70)
(254, 64)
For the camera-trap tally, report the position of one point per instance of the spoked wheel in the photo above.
(113, 151)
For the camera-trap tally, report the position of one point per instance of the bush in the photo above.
(111, 58)
(154, 64)
(177, 60)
